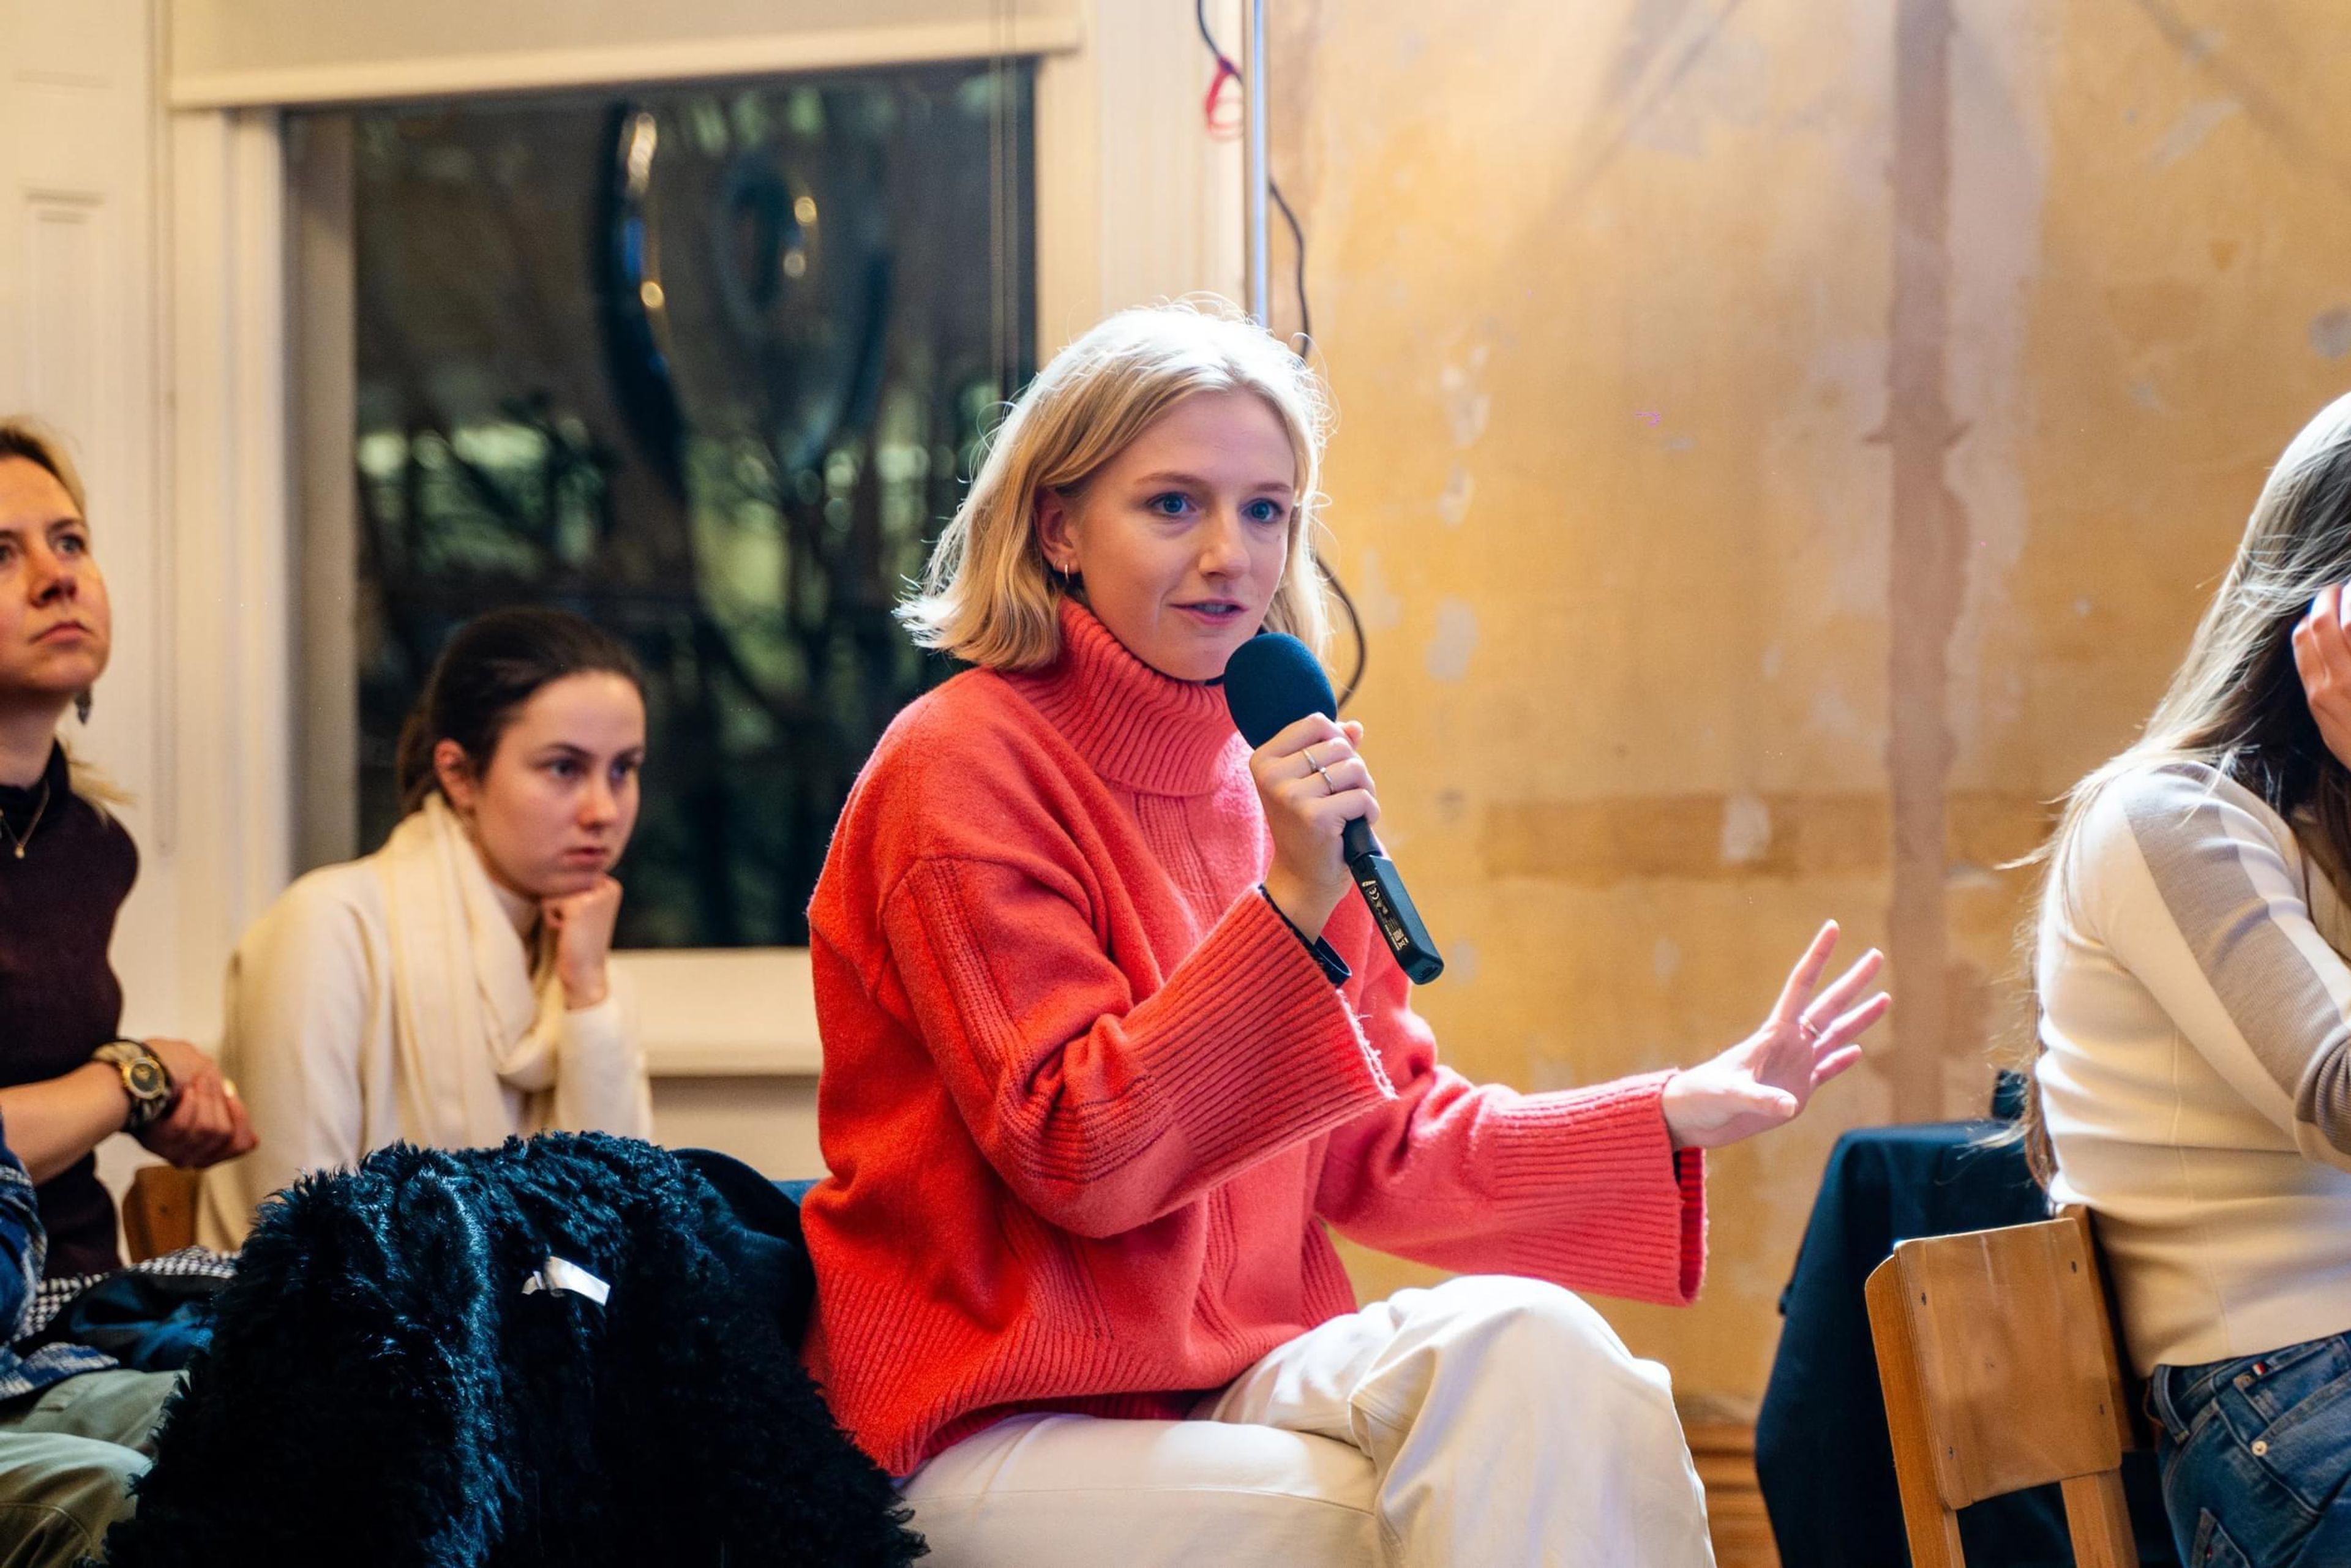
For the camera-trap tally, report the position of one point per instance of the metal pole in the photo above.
(1256, 214)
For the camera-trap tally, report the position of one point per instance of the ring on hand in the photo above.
(1328, 787)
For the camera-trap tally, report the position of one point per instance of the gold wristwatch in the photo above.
(144, 1079)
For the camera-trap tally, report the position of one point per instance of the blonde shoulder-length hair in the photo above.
(988, 595)
(2236, 705)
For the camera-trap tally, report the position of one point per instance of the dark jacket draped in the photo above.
(383, 1389)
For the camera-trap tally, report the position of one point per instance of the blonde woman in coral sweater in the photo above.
(1107, 1046)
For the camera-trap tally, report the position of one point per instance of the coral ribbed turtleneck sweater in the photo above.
(1088, 1103)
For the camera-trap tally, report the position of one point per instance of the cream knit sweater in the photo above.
(310, 1043)
(2196, 1020)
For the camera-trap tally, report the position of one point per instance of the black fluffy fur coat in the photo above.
(381, 1390)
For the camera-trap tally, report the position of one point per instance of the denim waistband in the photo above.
(2175, 1393)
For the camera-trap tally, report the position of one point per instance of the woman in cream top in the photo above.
(453, 988)
(2194, 1068)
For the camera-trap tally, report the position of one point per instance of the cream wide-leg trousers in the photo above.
(1488, 1421)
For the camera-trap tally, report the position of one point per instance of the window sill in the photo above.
(726, 1013)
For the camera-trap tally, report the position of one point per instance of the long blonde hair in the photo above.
(21, 436)
(988, 595)
(2236, 704)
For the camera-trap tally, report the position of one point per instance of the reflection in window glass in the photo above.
(705, 365)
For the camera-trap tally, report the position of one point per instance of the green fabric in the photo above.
(67, 1456)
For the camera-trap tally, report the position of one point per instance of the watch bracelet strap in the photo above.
(142, 1111)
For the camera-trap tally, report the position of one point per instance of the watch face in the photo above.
(146, 1078)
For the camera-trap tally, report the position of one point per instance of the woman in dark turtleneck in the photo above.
(66, 865)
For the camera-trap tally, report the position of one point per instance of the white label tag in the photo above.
(562, 1274)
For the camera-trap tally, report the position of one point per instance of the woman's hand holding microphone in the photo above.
(1312, 784)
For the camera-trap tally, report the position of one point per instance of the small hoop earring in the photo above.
(81, 704)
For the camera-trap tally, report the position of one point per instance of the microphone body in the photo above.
(1382, 885)
(1272, 682)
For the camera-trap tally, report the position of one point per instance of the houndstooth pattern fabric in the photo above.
(51, 1297)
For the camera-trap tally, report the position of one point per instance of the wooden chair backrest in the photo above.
(1997, 1351)
(159, 1213)
(2137, 1433)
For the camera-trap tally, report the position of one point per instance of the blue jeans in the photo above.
(2255, 1453)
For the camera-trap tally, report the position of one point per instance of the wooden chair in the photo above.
(159, 1213)
(1997, 1351)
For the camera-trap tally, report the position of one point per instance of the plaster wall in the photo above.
(1782, 445)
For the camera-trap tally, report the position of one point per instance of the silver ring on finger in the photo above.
(1808, 1032)
(1328, 787)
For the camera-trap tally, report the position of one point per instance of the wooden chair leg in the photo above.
(159, 1213)
(1934, 1530)
(2098, 1515)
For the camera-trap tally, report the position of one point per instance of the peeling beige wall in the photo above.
(1608, 294)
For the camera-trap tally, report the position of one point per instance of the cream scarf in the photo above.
(463, 994)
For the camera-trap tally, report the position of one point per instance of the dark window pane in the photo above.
(704, 364)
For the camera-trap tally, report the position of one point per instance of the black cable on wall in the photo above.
(1301, 343)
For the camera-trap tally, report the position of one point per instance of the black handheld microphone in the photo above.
(1272, 682)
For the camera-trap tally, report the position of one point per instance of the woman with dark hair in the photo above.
(452, 989)
(2193, 1051)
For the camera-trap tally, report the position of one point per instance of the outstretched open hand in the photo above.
(1768, 1078)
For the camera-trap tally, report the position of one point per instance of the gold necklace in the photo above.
(21, 840)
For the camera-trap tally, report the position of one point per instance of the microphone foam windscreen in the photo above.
(1272, 682)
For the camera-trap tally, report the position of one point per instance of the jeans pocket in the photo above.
(2259, 1447)
(2291, 1412)
(2273, 1385)
(2211, 1547)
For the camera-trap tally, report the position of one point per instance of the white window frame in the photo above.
(1133, 202)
